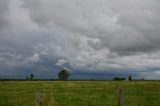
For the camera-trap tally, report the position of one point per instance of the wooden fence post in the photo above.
(120, 99)
(37, 99)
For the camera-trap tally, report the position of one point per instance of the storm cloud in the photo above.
(89, 36)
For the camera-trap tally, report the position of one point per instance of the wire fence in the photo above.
(79, 93)
(98, 97)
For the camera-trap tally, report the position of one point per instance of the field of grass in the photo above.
(79, 93)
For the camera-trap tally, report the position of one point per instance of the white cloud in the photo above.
(61, 62)
(34, 58)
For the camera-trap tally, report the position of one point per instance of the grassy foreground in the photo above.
(79, 93)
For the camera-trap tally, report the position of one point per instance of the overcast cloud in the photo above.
(42, 36)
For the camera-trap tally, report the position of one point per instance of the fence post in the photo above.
(37, 99)
(120, 99)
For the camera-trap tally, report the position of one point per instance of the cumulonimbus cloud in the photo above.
(86, 35)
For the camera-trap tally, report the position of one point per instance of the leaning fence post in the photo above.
(120, 99)
(37, 99)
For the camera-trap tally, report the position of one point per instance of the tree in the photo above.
(63, 75)
(27, 77)
(30, 77)
(130, 78)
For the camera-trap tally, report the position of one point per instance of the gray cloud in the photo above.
(91, 35)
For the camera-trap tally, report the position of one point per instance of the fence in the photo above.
(87, 97)
(84, 98)
(96, 99)
(70, 98)
(80, 93)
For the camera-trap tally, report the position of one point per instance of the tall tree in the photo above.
(31, 76)
(63, 75)
(130, 78)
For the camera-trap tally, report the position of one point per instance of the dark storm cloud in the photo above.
(91, 35)
(3, 10)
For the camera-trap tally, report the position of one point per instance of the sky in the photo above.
(90, 38)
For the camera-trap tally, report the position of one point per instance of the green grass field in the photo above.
(79, 93)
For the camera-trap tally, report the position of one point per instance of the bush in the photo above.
(118, 78)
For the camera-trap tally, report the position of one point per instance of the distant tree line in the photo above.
(122, 78)
(64, 74)
(129, 79)
(118, 78)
